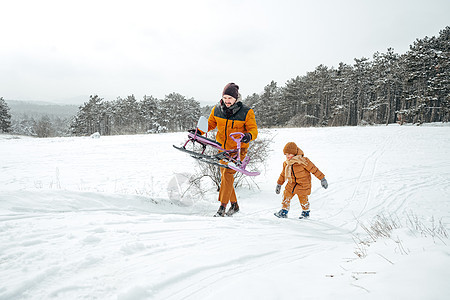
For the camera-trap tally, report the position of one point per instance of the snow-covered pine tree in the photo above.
(293, 94)
(267, 107)
(5, 117)
(148, 109)
(427, 79)
(387, 88)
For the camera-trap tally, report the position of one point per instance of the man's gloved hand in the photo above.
(324, 183)
(246, 138)
(278, 189)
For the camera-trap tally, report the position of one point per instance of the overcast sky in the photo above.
(67, 50)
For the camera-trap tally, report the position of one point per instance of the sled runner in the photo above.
(229, 159)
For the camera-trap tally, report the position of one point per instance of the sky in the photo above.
(64, 51)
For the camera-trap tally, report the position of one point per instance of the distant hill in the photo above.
(39, 109)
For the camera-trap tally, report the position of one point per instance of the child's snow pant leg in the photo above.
(304, 202)
(286, 202)
(227, 192)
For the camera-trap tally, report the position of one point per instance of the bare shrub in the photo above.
(382, 227)
(434, 230)
(258, 152)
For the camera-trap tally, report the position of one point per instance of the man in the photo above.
(228, 116)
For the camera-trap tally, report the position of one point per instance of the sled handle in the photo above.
(238, 140)
(238, 143)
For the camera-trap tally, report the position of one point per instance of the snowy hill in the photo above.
(91, 218)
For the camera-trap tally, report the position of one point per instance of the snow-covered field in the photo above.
(84, 218)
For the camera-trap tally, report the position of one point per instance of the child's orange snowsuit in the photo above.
(297, 171)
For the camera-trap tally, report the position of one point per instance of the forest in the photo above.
(413, 87)
(129, 116)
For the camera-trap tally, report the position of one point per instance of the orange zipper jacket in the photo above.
(242, 120)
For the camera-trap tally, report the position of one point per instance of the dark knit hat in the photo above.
(232, 90)
(292, 148)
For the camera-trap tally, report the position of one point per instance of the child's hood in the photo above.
(292, 148)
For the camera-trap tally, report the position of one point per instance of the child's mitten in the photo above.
(324, 183)
(278, 189)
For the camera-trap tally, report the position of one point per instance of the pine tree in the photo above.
(266, 109)
(292, 97)
(387, 88)
(5, 117)
(87, 120)
(178, 113)
(148, 109)
(426, 86)
(340, 104)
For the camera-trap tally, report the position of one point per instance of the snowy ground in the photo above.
(84, 218)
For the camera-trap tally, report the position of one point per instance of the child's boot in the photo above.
(304, 215)
(281, 214)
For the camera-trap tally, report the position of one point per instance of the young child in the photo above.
(297, 171)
